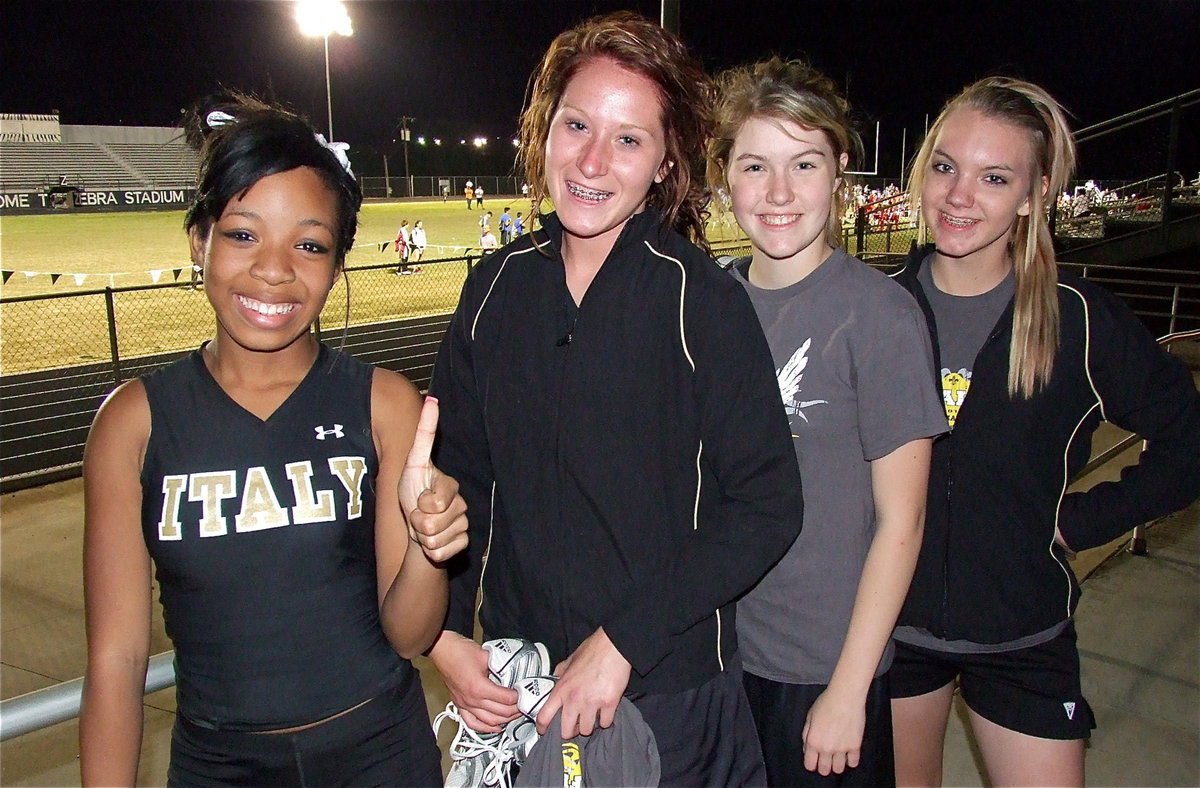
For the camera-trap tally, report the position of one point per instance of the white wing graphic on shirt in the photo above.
(789, 378)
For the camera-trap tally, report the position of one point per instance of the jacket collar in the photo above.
(644, 225)
(917, 256)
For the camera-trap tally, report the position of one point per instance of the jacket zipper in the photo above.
(563, 342)
(996, 331)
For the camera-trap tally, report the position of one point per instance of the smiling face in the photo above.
(605, 148)
(269, 260)
(782, 177)
(976, 185)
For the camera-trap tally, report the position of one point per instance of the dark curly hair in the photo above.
(261, 140)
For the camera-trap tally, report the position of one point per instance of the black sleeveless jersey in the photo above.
(263, 540)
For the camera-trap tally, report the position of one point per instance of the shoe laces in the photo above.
(499, 749)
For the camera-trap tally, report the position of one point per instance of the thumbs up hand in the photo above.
(434, 511)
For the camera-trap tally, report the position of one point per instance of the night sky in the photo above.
(460, 67)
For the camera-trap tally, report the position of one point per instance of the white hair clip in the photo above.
(218, 118)
(338, 149)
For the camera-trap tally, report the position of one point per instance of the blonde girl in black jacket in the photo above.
(1029, 362)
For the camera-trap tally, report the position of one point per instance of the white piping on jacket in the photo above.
(492, 512)
(492, 286)
(1066, 480)
(700, 448)
(487, 551)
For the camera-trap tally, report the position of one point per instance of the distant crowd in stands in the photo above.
(889, 216)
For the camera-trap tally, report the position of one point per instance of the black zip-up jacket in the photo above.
(627, 464)
(989, 570)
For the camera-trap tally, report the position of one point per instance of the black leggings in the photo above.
(387, 741)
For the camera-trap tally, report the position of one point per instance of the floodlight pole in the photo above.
(328, 92)
(324, 18)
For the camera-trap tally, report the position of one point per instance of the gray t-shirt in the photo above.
(852, 356)
(963, 326)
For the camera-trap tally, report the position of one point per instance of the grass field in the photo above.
(92, 251)
(127, 247)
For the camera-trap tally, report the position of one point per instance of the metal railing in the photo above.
(49, 706)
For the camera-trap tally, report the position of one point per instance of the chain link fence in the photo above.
(61, 354)
(449, 186)
(114, 325)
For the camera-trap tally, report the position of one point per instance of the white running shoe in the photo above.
(480, 760)
(518, 738)
(487, 760)
(513, 659)
(532, 694)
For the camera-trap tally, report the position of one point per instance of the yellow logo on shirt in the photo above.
(954, 391)
(572, 769)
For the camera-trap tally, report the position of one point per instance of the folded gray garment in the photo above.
(624, 754)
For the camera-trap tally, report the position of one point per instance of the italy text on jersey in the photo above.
(260, 508)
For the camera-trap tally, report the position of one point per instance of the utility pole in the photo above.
(405, 135)
(669, 16)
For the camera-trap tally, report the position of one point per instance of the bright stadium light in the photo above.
(479, 142)
(323, 18)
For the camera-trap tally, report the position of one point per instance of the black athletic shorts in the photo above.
(1035, 690)
(706, 735)
(781, 710)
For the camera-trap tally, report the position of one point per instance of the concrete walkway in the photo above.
(1138, 624)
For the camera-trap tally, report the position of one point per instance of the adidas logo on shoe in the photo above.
(532, 694)
(512, 659)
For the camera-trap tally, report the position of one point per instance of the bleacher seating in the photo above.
(172, 164)
(30, 166)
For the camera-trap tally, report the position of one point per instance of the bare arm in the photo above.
(426, 512)
(117, 596)
(899, 481)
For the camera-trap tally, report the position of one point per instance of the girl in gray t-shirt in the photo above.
(854, 364)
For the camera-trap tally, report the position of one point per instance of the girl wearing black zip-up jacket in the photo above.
(609, 397)
(1029, 363)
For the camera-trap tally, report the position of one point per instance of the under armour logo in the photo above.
(1070, 707)
(335, 432)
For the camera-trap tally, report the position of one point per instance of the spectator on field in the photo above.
(487, 241)
(469, 193)
(402, 247)
(479, 196)
(518, 226)
(417, 241)
(506, 226)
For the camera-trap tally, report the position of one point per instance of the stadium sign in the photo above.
(74, 199)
